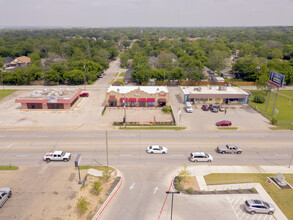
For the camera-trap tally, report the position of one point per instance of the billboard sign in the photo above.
(276, 79)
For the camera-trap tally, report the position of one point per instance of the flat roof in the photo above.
(213, 90)
(147, 89)
(41, 94)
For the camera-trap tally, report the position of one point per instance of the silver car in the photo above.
(5, 194)
(258, 206)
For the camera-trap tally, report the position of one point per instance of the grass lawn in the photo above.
(101, 168)
(8, 168)
(282, 197)
(122, 74)
(4, 93)
(285, 108)
(227, 128)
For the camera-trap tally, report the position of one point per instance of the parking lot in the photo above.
(228, 207)
(242, 116)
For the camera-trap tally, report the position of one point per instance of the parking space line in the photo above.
(232, 207)
(236, 203)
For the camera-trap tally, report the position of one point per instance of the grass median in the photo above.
(4, 93)
(8, 168)
(227, 128)
(282, 197)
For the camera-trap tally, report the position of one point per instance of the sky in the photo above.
(146, 13)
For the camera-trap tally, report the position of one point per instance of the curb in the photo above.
(108, 200)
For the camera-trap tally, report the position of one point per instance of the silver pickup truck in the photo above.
(229, 149)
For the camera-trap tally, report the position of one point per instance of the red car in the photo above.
(205, 107)
(224, 123)
(84, 94)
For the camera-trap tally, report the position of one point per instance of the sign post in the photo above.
(76, 163)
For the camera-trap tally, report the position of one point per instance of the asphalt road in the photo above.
(147, 177)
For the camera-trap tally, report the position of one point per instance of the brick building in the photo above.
(137, 96)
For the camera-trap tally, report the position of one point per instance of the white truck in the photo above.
(58, 156)
(229, 149)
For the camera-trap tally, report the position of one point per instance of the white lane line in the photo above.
(125, 155)
(177, 155)
(236, 203)
(42, 136)
(22, 155)
(132, 186)
(156, 189)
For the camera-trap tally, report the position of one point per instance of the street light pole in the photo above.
(168, 192)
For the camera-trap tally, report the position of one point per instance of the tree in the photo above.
(35, 59)
(166, 60)
(177, 73)
(124, 59)
(141, 74)
(34, 72)
(74, 77)
(185, 174)
(53, 76)
(139, 59)
(216, 60)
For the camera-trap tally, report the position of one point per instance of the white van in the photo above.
(188, 107)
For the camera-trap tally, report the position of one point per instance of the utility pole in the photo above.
(168, 192)
(107, 148)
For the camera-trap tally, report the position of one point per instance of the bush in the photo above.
(228, 190)
(107, 174)
(190, 190)
(82, 205)
(274, 121)
(259, 98)
(253, 190)
(179, 187)
(216, 191)
(97, 187)
(167, 109)
(203, 192)
(240, 190)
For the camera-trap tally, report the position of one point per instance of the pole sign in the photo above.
(77, 160)
(276, 79)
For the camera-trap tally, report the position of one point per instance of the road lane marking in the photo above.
(125, 155)
(156, 189)
(22, 155)
(177, 155)
(132, 186)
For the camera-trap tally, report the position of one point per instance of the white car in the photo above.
(156, 149)
(200, 157)
(5, 194)
(188, 107)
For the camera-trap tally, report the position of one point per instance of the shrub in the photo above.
(179, 187)
(228, 190)
(274, 121)
(253, 190)
(216, 191)
(166, 109)
(240, 190)
(107, 174)
(97, 187)
(259, 98)
(190, 190)
(82, 205)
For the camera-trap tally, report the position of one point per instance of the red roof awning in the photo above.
(132, 99)
(141, 99)
(151, 100)
(121, 99)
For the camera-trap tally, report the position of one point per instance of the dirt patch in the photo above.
(192, 182)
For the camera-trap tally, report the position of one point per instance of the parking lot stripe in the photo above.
(232, 207)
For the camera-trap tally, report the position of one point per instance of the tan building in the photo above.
(20, 62)
(137, 96)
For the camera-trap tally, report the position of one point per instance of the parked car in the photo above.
(221, 109)
(205, 107)
(156, 149)
(258, 206)
(200, 157)
(214, 108)
(5, 194)
(84, 94)
(229, 149)
(224, 123)
(188, 107)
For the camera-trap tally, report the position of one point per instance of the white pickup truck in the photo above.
(57, 155)
(229, 149)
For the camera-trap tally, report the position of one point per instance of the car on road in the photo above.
(205, 107)
(84, 94)
(229, 149)
(200, 157)
(57, 156)
(224, 123)
(259, 206)
(5, 194)
(156, 149)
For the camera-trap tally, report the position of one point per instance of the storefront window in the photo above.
(151, 104)
(132, 104)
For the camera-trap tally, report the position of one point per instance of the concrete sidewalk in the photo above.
(201, 171)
